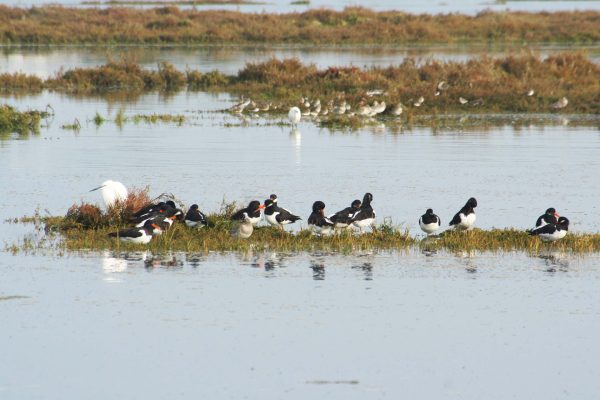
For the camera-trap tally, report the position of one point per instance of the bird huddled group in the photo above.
(155, 219)
(313, 108)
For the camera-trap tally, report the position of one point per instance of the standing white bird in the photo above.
(112, 192)
(294, 115)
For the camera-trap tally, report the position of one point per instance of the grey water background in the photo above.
(376, 325)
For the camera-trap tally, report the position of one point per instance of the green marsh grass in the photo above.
(91, 233)
(22, 123)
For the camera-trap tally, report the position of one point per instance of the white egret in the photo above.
(294, 115)
(112, 191)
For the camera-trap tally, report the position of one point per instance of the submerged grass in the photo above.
(55, 24)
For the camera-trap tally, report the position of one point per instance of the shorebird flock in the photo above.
(154, 219)
(371, 105)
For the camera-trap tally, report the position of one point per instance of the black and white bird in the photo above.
(366, 215)
(345, 218)
(278, 216)
(552, 232)
(429, 222)
(141, 235)
(318, 221)
(147, 209)
(250, 213)
(550, 217)
(152, 211)
(195, 218)
(465, 218)
(165, 220)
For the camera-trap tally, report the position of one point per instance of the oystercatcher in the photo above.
(318, 220)
(194, 217)
(278, 216)
(365, 216)
(345, 217)
(552, 232)
(429, 222)
(141, 235)
(465, 218)
(550, 217)
(250, 213)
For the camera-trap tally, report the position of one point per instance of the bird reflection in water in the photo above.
(296, 136)
(195, 259)
(367, 270)
(268, 262)
(555, 261)
(169, 261)
(467, 259)
(318, 267)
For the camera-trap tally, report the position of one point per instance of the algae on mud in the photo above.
(69, 25)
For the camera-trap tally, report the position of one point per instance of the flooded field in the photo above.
(375, 324)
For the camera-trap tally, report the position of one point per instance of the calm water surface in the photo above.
(298, 326)
(45, 62)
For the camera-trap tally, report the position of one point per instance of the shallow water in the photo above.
(47, 61)
(429, 7)
(299, 326)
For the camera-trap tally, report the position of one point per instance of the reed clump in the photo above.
(20, 122)
(86, 216)
(53, 24)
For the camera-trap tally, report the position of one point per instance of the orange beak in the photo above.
(155, 226)
(556, 215)
(261, 206)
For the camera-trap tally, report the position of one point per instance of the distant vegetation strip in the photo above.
(167, 3)
(520, 83)
(53, 24)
